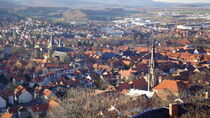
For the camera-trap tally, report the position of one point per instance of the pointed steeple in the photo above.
(60, 43)
(152, 81)
(152, 60)
(51, 43)
(50, 47)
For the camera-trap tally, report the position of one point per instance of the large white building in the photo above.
(188, 27)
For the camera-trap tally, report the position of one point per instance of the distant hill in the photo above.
(79, 10)
(96, 14)
(76, 14)
(68, 3)
(39, 11)
(71, 3)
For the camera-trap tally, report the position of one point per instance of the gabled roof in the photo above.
(123, 86)
(63, 49)
(126, 62)
(20, 89)
(172, 85)
(40, 107)
(100, 66)
(47, 92)
(139, 83)
(109, 55)
(7, 115)
(129, 53)
(126, 73)
(53, 104)
(185, 41)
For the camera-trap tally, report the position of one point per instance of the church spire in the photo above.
(152, 60)
(50, 46)
(60, 43)
(151, 74)
(51, 43)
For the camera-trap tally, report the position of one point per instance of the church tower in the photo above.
(50, 47)
(60, 43)
(51, 43)
(152, 80)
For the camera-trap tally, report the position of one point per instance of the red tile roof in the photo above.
(139, 83)
(123, 86)
(40, 107)
(125, 73)
(172, 85)
(53, 104)
(7, 115)
(47, 92)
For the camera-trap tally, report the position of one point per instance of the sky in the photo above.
(185, 1)
(173, 1)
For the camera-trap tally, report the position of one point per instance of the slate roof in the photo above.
(129, 53)
(163, 112)
(109, 55)
(63, 49)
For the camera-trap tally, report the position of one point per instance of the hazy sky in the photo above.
(185, 1)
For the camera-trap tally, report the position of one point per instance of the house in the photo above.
(2, 103)
(172, 85)
(185, 41)
(7, 94)
(7, 115)
(53, 104)
(71, 83)
(126, 62)
(108, 55)
(25, 97)
(61, 53)
(22, 112)
(48, 94)
(42, 108)
(136, 92)
(101, 66)
(22, 95)
(38, 109)
(196, 51)
(125, 74)
(123, 86)
(139, 83)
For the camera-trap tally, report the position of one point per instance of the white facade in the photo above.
(184, 27)
(136, 92)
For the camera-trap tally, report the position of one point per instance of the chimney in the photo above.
(206, 96)
(173, 111)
